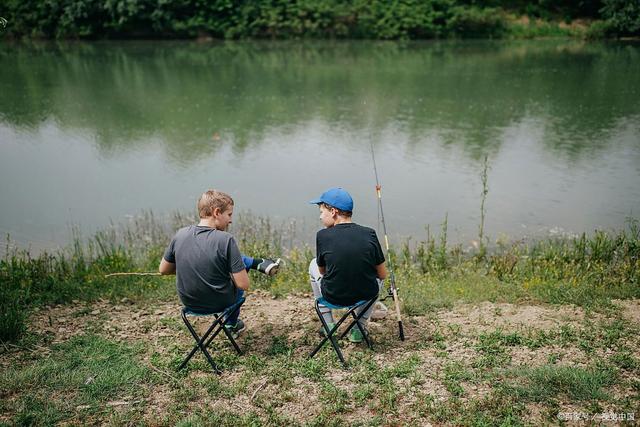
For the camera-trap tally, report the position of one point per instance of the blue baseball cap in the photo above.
(336, 197)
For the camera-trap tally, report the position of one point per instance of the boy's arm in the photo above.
(319, 259)
(234, 257)
(381, 271)
(168, 261)
(241, 279)
(167, 267)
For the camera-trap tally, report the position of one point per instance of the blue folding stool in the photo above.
(351, 311)
(218, 325)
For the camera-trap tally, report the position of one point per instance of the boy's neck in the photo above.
(341, 220)
(207, 222)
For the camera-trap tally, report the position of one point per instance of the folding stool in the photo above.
(351, 311)
(218, 325)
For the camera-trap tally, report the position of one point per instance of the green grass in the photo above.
(81, 377)
(543, 383)
(626, 361)
(454, 373)
(492, 353)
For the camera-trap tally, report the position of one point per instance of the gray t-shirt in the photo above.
(205, 258)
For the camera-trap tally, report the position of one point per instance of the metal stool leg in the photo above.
(356, 322)
(228, 334)
(330, 336)
(203, 342)
(200, 344)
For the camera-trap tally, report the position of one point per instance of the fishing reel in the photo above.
(390, 294)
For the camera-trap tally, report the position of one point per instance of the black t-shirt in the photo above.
(350, 253)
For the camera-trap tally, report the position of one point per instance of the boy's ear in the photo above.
(216, 211)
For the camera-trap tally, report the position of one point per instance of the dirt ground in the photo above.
(127, 321)
(159, 323)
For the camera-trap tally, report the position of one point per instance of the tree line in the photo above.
(284, 19)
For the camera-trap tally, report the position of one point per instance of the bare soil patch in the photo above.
(510, 317)
(630, 309)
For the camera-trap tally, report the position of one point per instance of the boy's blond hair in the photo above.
(212, 200)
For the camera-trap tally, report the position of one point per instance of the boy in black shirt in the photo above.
(349, 264)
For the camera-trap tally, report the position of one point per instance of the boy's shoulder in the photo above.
(182, 231)
(185, 229)
(211, 233)
(367, 229)
(352, 228)
(223, 235)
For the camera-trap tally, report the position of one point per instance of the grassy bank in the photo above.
(588, 270)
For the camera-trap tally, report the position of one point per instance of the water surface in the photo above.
(93, 133)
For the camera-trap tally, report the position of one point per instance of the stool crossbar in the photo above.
(202, 343)
(330, 333)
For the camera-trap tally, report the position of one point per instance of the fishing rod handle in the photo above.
(398, 316)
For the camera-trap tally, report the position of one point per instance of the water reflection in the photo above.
(560, 122)
(186, 94)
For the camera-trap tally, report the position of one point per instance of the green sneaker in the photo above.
(323, 332)
(355, 335)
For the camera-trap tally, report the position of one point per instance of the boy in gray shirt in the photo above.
(211, 273)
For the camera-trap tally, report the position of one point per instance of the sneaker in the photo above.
(235, 329)
(355, 335)
(269, 266)
(322, 332)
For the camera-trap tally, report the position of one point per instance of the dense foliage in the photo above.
(623, 16)
(377, 19)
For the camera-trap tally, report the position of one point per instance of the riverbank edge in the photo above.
(585, 270)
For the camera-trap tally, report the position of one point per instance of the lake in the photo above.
(94, 133)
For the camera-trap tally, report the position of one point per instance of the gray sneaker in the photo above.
(235, 329)
(269, 266)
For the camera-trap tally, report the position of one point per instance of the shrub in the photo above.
(477, 23)
(599, 30)
(623, 16)
(12, 316)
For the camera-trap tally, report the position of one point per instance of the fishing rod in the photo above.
(132, 274)
(393, 290)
